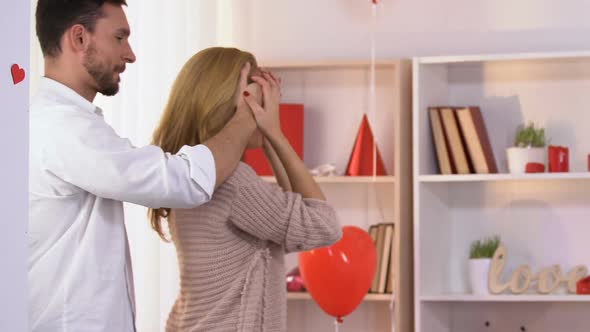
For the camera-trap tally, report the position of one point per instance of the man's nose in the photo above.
(130, 56)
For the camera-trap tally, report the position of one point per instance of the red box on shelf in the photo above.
(291, 116)
(583, 286)
(558, 159)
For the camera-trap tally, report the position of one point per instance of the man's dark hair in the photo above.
(54, 17)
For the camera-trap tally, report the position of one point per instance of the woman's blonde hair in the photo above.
(202, 101)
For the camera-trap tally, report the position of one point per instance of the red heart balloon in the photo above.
(338, 277)
(18, 74)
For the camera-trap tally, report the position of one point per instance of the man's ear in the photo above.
(77, 38)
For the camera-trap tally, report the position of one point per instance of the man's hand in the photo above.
(243, 111)
(228, 145)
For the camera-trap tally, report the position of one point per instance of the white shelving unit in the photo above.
(335, 95)
(346, 179)
(543, 219)
(505, 177)
(368, 298)
(506, 298)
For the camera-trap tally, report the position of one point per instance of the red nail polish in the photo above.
(246, 93)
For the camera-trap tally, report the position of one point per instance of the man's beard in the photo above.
(101, 73)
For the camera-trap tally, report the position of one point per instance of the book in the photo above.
(373, 234)
(476, 139)
(379, 246)
(391, 269)
(291, 117)
(457, 148)
(441, 144)
(385, 258)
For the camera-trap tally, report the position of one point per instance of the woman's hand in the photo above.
(267, 116)
(297, 176)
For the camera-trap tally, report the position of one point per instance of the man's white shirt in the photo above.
(80, 172)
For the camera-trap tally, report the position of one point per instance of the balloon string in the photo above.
(372, 84)
(337, 323)
(373, 98)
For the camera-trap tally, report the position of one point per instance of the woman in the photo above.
(231, 250)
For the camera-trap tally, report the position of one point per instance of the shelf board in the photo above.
(505, 298)
(368, 297)
(503, 57)
(327, 63)
(503, 177)
(345, 179)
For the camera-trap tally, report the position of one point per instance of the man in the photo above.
(80, 172)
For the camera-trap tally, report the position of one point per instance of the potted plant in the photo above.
(529, 147)
(480, 258)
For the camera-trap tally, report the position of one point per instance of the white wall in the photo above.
(275, 29)
(14, 142)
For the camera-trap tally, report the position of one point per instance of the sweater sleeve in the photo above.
(264, 211)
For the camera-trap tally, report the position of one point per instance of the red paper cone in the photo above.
(361, 159)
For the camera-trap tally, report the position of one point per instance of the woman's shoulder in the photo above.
(243, 175)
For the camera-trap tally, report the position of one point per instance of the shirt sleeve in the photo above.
(264, 211)
(94, 158)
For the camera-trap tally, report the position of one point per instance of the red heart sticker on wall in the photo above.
(18, 74)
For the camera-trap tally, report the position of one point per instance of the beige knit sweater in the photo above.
(230, 254)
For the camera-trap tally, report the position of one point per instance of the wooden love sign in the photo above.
(548, 279)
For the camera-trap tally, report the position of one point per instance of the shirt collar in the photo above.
(61, 93)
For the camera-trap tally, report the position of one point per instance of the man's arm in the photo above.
(228, 145)
(94, 158)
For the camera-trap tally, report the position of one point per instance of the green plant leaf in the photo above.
(484, 248)
(529, 136)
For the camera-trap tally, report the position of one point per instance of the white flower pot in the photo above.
(478, 275)
(519, 157)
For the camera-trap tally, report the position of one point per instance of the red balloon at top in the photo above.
(374, 1)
